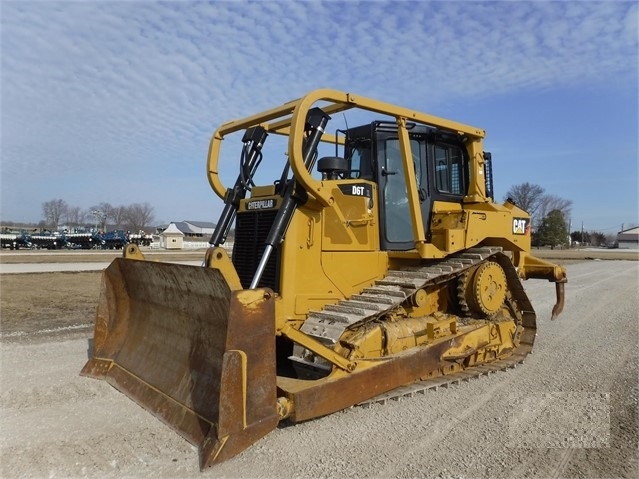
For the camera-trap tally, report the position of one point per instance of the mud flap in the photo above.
(197, 355)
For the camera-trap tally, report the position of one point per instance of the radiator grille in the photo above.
(251, 230)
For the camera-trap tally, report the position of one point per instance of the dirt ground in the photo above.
(570, 411)
(39, 305)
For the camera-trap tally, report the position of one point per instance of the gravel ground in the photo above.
(569, 411)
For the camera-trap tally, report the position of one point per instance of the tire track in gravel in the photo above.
(443, 427)
(590, 314)
(592, 352)
(563, 463)
(402, 454)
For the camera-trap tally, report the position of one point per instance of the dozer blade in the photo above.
(184, 346)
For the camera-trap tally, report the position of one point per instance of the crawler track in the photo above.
(398, 286)
(421, 387)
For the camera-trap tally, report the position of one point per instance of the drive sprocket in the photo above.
(484, 289)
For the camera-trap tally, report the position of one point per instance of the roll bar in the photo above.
(289, 118)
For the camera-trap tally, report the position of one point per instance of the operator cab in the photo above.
(441, 169)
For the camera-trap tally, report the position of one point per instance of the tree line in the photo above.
(550, 216)
(133, 217)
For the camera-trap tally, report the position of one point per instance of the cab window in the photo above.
(360, 162)
(449, 172)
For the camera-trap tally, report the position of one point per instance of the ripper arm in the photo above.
(531, 267)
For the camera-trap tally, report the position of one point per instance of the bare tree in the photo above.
(101, 213)
(137, 216)
(118, 216)
(53, 211)
(534, 200)
(550, 202)
(74, 216)
(527, 196)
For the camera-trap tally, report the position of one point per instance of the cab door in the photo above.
(396, 229)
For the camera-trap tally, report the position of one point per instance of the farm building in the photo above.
(171, 238)
(194, 229)
(629, 238)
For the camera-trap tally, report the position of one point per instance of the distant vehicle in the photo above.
(48, 241)
(114, 240)
(14, 241)
(141, 239)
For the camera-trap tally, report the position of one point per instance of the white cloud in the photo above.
(104, 89)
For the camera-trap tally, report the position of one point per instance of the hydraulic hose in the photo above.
(316, 121)
(251, 157)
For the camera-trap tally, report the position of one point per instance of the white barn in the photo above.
(629, 239)
(193, 229)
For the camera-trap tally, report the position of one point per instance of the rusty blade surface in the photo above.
(176, 340)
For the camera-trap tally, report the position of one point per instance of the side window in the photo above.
(356, 163)
(360, 162)
(449, 171)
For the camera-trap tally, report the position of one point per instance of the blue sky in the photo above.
(116, 101)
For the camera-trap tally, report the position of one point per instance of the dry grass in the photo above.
(38, 301)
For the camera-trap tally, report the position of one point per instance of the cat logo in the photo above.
(521, 226)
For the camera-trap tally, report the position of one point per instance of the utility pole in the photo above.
(100, 217)
(569, 231)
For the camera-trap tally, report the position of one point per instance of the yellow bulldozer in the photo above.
(383, 264)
